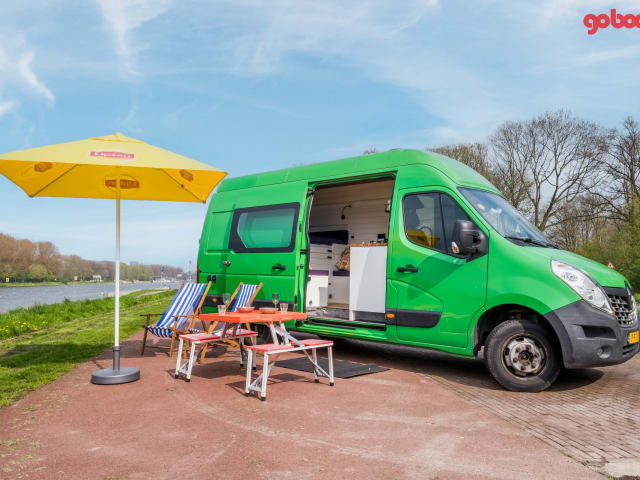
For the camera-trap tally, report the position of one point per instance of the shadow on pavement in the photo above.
(274, 379)
(22, 356)
(573, 379)
(463, 371)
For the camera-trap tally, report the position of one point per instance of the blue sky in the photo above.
(248, 85)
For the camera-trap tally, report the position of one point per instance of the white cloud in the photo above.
(589, 59)
(469, 77)
(559, 10)
(7, 106)
(264, 33)
(129, 122)
(123, 17)
(387, 41)
(30, 78)
(16, 75)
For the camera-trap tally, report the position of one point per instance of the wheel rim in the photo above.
(524, 356)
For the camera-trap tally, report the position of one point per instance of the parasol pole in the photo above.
(116, 375)
(116, 341)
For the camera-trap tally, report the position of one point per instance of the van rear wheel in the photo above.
(522, 356)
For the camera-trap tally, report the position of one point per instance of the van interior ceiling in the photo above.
(342, 217)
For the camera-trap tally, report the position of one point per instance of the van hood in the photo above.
(605, 276)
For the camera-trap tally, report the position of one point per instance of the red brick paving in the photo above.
(408, 422)
(589, 414)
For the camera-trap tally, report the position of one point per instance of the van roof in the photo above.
(459, 173)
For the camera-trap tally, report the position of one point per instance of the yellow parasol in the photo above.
(115, 167)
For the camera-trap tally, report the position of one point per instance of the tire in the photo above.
(510, 356)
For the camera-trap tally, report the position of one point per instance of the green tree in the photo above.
(622, 249)
(37, 273)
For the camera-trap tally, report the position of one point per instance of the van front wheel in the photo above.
(522, 356)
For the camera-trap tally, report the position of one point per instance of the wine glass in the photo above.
(276, 299)
(225, 298)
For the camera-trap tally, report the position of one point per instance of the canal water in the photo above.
(15, 297)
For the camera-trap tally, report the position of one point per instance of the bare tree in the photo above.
(473, 155)
(509, 154)
(501, 172)
(621, 190)
(557, 153)
(579, 222)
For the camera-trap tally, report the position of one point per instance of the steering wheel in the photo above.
(422, 227)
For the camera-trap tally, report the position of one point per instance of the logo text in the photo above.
(112, 154)
(616, 20)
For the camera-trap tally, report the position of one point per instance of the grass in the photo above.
(30, 284)
(24, 320)
(58, 337)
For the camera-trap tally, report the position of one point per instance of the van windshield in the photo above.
(504, 218)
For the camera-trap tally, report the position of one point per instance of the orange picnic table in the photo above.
(252, 317)
(226, 326)
(232, 320)
(283, 342)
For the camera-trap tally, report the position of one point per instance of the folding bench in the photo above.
(274, 350)
(204, 339)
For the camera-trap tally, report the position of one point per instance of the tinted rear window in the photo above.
(264, 229)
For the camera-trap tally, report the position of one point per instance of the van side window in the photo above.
(264, 229)
(451, 212)
(423, 220)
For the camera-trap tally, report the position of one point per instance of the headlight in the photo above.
(582, 284)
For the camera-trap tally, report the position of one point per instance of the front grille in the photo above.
(623, 310)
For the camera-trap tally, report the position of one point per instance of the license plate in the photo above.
(633, 337)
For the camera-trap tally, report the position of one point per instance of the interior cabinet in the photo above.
(368, 279)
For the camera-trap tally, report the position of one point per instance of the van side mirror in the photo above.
(468, 240)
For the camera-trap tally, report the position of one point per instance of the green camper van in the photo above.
(415, 248)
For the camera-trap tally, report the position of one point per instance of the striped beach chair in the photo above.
(243, 296)
(180, 316)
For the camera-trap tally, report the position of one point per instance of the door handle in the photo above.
(278, 267)
(226, 263)
(408, 268)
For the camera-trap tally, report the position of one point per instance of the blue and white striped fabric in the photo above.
(243, 297)
(184, 303)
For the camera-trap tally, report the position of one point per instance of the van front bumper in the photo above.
(590, 337)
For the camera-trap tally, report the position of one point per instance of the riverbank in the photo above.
(35, 284)
(12, 298)
(79, 282)
(41, 343)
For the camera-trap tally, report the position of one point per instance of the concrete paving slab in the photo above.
(625, 468)
(588, 414)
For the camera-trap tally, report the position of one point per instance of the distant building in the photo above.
(97, 278)
(156, 278)
(134, 264)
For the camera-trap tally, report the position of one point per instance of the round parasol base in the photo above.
(109, 376)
